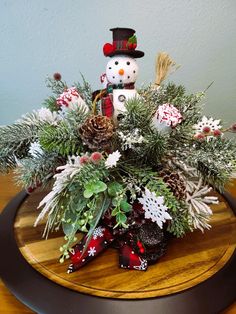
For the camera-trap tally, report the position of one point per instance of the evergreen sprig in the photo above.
(170, 92)
(189, 105)
(38, 170)
(61, 138)
(146, 177)
(138, 115)
(90, 173)
(64, 137)
(165, 94)
(179, 224)
(153, 148)
(16, 138)
(77, 116)
(85, 90)
(214, 159)
(57, 86)
(51, 103)
(7, 161)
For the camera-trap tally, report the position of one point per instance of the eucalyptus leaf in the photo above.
(114, 188)
(99, 187)
(124, 225)
(95, 188)
(115, 211)
(125, 206)
(70, 215)
(121, 218)
(88, 193)
(114, 202)
(67, 228)
(89, 186)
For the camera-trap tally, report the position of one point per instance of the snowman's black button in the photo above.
(121, 98)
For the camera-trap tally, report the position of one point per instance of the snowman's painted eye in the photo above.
(128, 63)
(116, 62)
(109, 68)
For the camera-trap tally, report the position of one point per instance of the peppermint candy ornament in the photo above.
(166, 117)
(71, 98)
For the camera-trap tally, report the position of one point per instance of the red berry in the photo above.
(130, 46)
(134, 45)
(206, 129)
(141, 250)
(96, 157)
(84, 160)
(233, 127)
(57, 76)
(217, 133)
(139, 244)
(199, 136)
(30, 189)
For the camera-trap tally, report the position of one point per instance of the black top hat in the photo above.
(124, 42)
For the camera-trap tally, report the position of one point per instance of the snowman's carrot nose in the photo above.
(121, 72)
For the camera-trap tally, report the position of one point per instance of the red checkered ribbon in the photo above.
(131, 260)
(107, 106)
(100, 241)
(120, 44)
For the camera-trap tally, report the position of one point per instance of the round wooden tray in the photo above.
(46, 296)
(188, 261)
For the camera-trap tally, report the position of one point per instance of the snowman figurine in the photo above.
(121, 72)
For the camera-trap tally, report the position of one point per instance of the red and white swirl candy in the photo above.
(169, 115)
(70, 97)
(166, 118)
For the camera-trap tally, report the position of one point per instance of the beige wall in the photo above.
(40, 37)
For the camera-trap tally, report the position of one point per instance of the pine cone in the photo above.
(97, 131)
(174, 182)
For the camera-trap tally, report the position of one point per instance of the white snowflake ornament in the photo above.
(98, 233)
(207, 125)
(92, 251)
(112, 159)
(154, 207)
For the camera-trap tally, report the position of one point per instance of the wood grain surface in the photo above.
(188, 261)
(9, 304)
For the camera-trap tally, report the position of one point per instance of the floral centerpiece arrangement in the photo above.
(126, 167)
